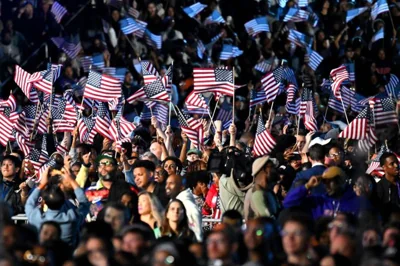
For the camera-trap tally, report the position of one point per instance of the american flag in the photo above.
(34, 157)
(375, 163)
(153, 40)
(215, 17)
(379, 7)
(291, 90)
(191, 127)
(58, 11)
(264, 66)
(10, 102)
(123, 126)
(314, 59)
(98, 61)
(313, 19)
(351, 14)
(257, 97)
(282, 3)
(263, 142)
(64, 117)
(162, 112)
(384, 111)
(299, 38)
(392, 86)
(225, 113)
(296, 15)
(257, 25)
(156, 90)
(213, 80)
(195, 103)
(103, 121)
(86, 130)
(102, 87)
(70, 47)
(194, 9)
(130, 25)
(350, 67)
(43, 168)
(289, 75)
(116, 103)
(200, 49)
(307, 108)
(23, 80)
(380, 34)
(357, 129)
(347, 98)
(293, 107)
(30, 113)
(116, 72)
(8, 118)
(45, 83)
(133, 12)
(270, 83)
(213, 41)
(230, 51)
(23, 143)
(137, 66)
(338, 75)
(149, 72)
(302, 3)
(170, 74)
(86, 62)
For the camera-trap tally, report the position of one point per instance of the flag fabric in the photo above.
(103, 121)
(200, 49)
(375, 163)
(30, 114)
(69, 47)
(351, 14)
(133, 12)
(379, 7)
(195, 103)
(263, 142)
(338, 75)
(302, 3)
(307, 108)
(116, 72)
(225, 113)
(296, 15)
(33, 158)
(98, 61)
(347, 98)
(270, 83)
(300, 39)
(86, 129)
(384, 111)
(149, 72)
(45, 82)
(64, 117)
(8, 118)
(215, 17)
(357, 129)
(391, 87)
(58, 11)
(314, 59)
(289, 75)
(350, 67)
(257, 25)
(169, 82)
(282, 3)
(380, 34)
(191, 127)
(230, 51)
(293, 107)
(86, 62)
(154, 91)
(257, 97)
(264, 66)
(153, 40)
(218, 80)
(130, 25)
(23, 79)
(101, 87)
(194, 9)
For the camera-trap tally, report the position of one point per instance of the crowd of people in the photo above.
(159, 199)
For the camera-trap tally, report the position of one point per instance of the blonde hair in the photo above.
(156, 207)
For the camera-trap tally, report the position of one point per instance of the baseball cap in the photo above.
(194, 151)
(333, 172)
(106, 156)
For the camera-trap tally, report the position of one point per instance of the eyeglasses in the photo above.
(106, 163)
(334, 155)
(339, 226)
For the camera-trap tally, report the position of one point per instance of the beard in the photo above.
(110, 176)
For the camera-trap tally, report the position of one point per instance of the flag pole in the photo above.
(170, 95)
(270, 112)
(298, 125)
(344, 110)
(233, 100)
(212, 116)
(35, 124)
(326, 113)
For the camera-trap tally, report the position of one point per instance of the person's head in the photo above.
(173, 186)
(99, 249)
(316, 153)
(233, 218)
(49, 231)
(115, 15)
(160, 175)
(259, 234)
(150, 157)
(175, 218)
(193, 155)
(334, 179)
(156, 149)
(53, 197)
(344, 245)
(390, 232)
(198, 182)
(262, 170)
(117, 215)
(335, 260)
(172, 165)
(143, 171)
(389, 164)
(381, 54)
(342, 223)
(296, 234)
(75, 167)
(371, 237)
(151, 8)
(148, 204)
(300, 139)
(364, 186)
(336, 155)
(10, 166)
(107, 167)
(137, 238)
(221, 243)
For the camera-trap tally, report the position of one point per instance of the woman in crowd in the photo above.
(175, 222)
(150, 211)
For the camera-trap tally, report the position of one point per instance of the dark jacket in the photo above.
(307, 174)
(388, 197)
(8, 195)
